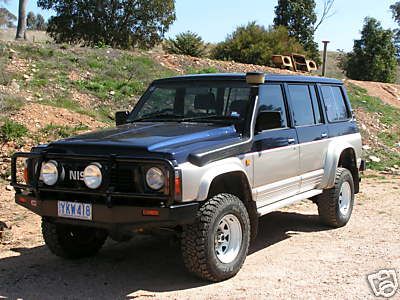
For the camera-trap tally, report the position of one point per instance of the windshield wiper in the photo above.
(211, 117)
(155, 116)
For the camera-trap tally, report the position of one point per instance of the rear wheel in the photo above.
(336, 204)
(69, 241)
(215, 246)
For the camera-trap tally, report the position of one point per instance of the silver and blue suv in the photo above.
(204, 155)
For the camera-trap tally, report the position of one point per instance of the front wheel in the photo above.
(336, 204)
(215, 246)
(71, 242)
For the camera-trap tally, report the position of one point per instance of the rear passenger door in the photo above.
(312, 132)
(275, 151)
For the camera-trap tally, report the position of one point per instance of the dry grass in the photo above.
(32, 35)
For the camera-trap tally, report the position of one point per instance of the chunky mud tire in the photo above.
(335, 205)
(72, 242)
(222, 225)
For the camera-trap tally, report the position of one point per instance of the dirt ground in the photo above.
(293, 257)
(387, 92)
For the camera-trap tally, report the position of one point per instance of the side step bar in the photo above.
(265, 209)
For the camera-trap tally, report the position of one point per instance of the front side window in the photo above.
(335, 104)
(204, 101)
(271, 99)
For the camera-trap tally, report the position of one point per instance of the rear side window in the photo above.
(272, 99)
(304, 111)
(335, 104)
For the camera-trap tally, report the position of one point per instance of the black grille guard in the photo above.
(106, 190)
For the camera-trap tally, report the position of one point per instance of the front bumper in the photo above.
(120, 217)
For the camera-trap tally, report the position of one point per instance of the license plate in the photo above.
(75, 210)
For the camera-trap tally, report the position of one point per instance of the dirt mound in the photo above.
(183, 64)
(388, 93)
(36, 116)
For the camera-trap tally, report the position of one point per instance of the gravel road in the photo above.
(293, 257)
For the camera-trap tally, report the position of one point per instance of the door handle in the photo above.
(291, 141)
(324, 135)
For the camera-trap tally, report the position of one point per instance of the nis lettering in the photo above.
(75, 175)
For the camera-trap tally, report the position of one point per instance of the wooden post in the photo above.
(325, 57)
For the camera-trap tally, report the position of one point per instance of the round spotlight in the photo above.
(155, 178)
(92, 176)
(49, 172)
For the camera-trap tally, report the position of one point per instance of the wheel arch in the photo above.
(237, 183)
(343, 155)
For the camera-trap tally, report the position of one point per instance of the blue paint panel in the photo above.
(242, 77)
(312, 133)
(343, 128)
(271, 139)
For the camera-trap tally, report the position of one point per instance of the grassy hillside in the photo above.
(52, 91)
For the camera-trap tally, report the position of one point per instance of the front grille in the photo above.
(123, 179)
(126, 179)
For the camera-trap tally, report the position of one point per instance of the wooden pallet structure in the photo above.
(295, 62)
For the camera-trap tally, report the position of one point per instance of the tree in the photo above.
(21, 28)
(396, 16)
(374, 55)
(40, 23)
(7, 19)
(255, 44)
(118, 23)
(301, 20)
(186, 43)
(31, 21)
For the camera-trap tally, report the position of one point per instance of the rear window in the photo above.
(336, 108)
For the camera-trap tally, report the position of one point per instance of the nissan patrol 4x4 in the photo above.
(204, 155)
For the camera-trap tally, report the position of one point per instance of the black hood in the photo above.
(173, 140)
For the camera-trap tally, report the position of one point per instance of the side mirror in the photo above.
(268, 120)
(121, 117)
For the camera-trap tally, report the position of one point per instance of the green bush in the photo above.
(186, 43)
(125, 24)
(255, 44)
(12, 131)
(374, 55)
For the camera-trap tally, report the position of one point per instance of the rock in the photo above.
(15, 86)
(112, 93)
(12, 53)
(366, 147)
(9, 188)
(375, 159)
(396, 167)
(26, 76)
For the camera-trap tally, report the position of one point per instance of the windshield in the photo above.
(194, 101)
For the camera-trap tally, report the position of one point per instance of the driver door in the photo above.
(276, 152)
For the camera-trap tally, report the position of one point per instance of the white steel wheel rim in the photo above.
(345, 198)
(228, 239)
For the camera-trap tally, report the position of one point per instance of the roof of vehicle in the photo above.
(242, 77)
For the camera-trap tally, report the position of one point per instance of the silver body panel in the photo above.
(275, 175)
